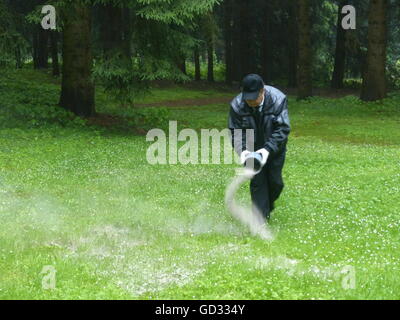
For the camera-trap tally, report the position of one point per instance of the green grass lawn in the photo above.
(84, 201)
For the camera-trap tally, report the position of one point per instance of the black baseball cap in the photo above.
(251, 86)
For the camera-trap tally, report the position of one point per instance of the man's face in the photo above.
(256, 103)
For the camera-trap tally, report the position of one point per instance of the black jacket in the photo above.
(273, 129)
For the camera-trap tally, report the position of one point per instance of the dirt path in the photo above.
(116, 121)
(189, 102)
(323, 92)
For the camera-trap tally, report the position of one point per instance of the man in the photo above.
(263, 109)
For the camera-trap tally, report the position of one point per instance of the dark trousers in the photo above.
(266, 186)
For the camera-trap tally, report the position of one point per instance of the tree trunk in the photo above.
(362, 63)
(228, 41)
(182, 64)
(304, 73)
(35, 44)
(374, 80)
(77, 89)
(252, 40)
(210, 61)
(237, 67)
(292, 45)
(54, 53)
(197, 74)
(111, 29)
(18, 58)
(245, 42)
(340, 53)
(266, 43)
(43, 49)
(116, 34)
(127, 31)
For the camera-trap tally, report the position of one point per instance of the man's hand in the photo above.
(243, 156)
(264, 154)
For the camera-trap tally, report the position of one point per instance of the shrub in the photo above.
(31, 115)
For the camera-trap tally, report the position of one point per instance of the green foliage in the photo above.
(5, 17)
(40, 115)
(30, 104)
(176, 12)
(161, 43)
(324, 16)
(11, 37)
(157, 68)
(219, 69)
(30, 101)
(159, 50)
(10, 42)
(35, 16)
(120, 78)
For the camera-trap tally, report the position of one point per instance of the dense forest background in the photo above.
(123, 45)
(80, 200)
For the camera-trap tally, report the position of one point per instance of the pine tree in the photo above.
(374, 81)
(77, 89)
(160, 42)
(340, 53)
(304, 62)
